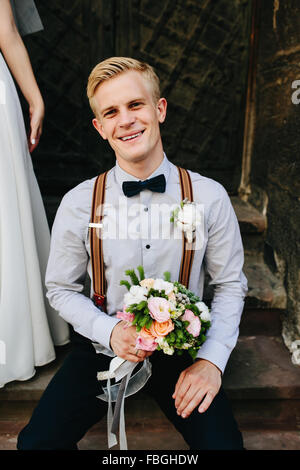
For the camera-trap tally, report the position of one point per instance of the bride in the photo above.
(29, 328)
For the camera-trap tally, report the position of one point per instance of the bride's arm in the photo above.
(17, 59)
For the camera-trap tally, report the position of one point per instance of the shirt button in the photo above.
(148, 246)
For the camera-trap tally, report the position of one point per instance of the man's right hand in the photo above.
(123, 343)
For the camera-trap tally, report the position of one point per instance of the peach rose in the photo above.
(159, 329)
(146, 333)
(148, 283)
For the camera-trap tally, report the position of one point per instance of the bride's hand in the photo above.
(36, 115)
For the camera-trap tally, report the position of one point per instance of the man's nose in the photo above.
(126, 118)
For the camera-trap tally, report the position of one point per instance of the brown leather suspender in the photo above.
(98, 272)
(187, 251)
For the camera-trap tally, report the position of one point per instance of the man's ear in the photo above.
(161, 109)
(98, 126)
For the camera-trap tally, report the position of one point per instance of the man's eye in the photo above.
(110, 112)
(135, 105)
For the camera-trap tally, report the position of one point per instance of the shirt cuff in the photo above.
(214, 352)
(102, 329)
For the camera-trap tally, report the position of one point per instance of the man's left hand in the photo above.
(200, 381)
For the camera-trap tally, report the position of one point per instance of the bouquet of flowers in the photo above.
(167, 315)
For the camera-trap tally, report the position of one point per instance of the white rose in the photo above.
(205, 315)
(138, 291)
(135, 295)
(189, 236)
(185, 214)
(189, 215)
(160, 284)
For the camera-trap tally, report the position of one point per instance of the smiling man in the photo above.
(125, 98)
(128, 113)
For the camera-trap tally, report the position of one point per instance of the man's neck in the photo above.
(141, 169)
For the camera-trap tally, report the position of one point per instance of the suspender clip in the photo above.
(99, 300)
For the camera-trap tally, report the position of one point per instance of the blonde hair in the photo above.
(114, 66)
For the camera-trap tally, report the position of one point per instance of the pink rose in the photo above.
(159, 309)
(126, 316)
(194, 326)
(146, 344)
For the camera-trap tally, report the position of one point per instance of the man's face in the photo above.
(128, 117)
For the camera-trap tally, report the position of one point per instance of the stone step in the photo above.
(259, 368)
(260, 380)
(254, 322)
(265, 322)
(164, 437)
(265, 289)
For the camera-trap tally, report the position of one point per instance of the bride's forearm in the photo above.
(16, 56)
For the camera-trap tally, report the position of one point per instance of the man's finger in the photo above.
(184, 393)
(207, 401)
(190, 401)
(178, 384)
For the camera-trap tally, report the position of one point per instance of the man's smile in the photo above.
(132, 136)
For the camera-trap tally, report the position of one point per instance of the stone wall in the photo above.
(275, 173)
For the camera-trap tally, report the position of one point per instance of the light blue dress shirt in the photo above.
(137, 234)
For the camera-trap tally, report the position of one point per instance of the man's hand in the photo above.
(123, 343)
(202, 379)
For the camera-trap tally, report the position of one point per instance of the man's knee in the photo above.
(31, 438)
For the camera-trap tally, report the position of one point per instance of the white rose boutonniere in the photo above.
(187, 217)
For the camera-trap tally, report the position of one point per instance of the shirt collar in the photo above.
(121, 175)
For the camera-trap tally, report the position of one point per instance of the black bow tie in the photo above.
(157, 184)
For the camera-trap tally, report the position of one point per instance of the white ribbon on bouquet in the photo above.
(120, 370)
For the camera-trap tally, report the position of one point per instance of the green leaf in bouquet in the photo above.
(167, 276)
(202, 338)
(149, 323)
(156, 293)
(192, 352)
(141, 272)
(131, 308)
(125, 283)
(133, 276)
(178, 323)
(171, 337)
(136, 319)
(141, 305)
(144, 321)
(179, 334)
(193, 308)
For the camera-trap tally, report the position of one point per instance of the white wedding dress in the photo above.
(29, 327)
